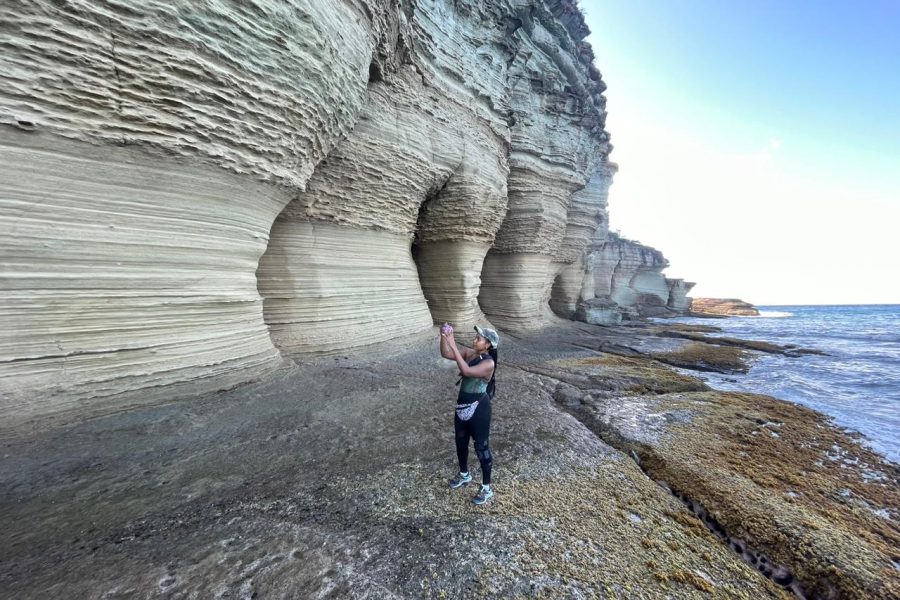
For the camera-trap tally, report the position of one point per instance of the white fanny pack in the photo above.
(465, 411)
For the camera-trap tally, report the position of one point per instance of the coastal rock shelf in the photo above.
(223, 494)
(729, 307)
(802, 502)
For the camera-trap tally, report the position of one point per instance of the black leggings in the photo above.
(478, 428)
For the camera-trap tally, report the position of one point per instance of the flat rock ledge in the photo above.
(799, 499)
(729, 307)
(328, 479)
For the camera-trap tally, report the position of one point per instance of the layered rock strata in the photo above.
(629, 275)
(339, 271)
(557, 147)
(147, 149)
(162, 140)
(525, 275)
(678, 295)
(113, 282)
(434, 140)
(587, 219)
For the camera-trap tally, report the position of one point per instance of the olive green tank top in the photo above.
(474, 385)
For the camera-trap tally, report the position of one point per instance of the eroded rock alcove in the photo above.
(339, 272)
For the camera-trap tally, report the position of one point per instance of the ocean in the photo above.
(857, 383)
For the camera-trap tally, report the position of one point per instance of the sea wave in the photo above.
(856, 381)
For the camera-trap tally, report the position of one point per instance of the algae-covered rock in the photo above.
(619, 373)
(757, 345)
(800, 499)
(706, 357)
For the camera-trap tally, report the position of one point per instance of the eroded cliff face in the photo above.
(678, 295)
(626, 281)
(475, 140)
(192, 187)
(147, 149)
(417, 167)
(557, 146)
(587, 222)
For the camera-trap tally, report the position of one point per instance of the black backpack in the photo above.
(492, 384)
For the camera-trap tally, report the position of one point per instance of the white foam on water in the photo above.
(856, 382)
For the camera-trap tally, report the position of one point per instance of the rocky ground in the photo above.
(328, 480)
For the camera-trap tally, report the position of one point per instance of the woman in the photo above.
(473, 408)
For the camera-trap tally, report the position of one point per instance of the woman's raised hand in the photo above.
(448, 335)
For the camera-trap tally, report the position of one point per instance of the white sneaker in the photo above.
(485, 494)
(460, 480)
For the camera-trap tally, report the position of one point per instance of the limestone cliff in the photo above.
(625, 280)
(190, 187)
(587, 222)
(146, 150)
(678, 295)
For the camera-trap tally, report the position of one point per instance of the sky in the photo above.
(758, 142)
